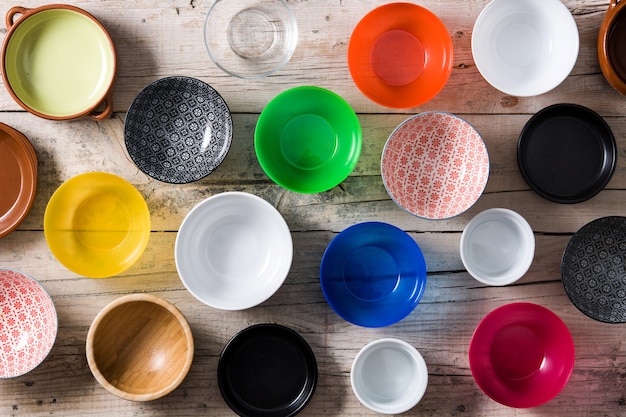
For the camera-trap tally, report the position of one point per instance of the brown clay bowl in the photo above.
(140, 347)
(611, 52)
(58, 62)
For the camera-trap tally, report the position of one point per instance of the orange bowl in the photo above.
(400, 55)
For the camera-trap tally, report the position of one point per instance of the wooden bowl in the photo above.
(140, 347)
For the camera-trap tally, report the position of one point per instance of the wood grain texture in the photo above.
(157, 39)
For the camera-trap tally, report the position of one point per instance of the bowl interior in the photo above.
(521, 355)
(527, 47)
(497, 246)
(233, 250)
(389, 376)
(308, 139)
(28, 327)
(435, 165)
(140, 347)
(400, 55)
(59, 62)
(250, 38)
(97, 224)
(373, 274)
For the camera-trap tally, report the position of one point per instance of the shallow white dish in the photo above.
(389, 376)
(497, 246)
(525, 47)
(233, 251)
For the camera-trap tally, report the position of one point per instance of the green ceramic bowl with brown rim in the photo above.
(58, 62)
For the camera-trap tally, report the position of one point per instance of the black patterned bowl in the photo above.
(178, 130)
(593, 269)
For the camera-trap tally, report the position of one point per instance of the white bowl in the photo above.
(497, 246)
(233, 251)
(525, 47)
(389, 376)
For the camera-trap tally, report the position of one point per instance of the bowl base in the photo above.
(251, 33)
(308, 141)
(398, 57)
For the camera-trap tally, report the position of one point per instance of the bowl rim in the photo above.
(148, 91)
(106, 98)
(508, 216)
(239, 74)
(353, 151)
(481, 377)
(606, 226)
(132, 298)
(416, 13)
(613, 13)
(438, 113)
(599, 130)
(56, 319)
(261, 296)
(236, 344)
(28, 189)
(512, 88)
(100, 176)
(416, 358)
(373, 318)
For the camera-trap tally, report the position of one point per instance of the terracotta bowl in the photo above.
(58, 62)
(611, 37)
(140, 347)
(18, 170)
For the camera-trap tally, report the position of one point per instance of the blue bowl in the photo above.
(373, 274)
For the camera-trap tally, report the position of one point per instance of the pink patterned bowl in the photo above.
(435, 165)
(28, 324)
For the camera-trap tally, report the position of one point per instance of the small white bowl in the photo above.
(497, 246)
(389, 376)
(525, 47)
(233, 251)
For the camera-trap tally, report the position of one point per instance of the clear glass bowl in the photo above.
(250, 38)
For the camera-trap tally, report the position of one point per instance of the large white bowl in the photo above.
(233, 251)
(525, 47)
(497, 246)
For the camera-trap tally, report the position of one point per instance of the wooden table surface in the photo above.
(155, 39)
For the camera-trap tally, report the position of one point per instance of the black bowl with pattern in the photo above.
(178, 130)
(593, 269)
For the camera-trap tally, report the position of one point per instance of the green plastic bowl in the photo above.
(308, 139)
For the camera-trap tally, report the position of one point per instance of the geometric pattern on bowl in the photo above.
(593, 269)
(435, 165)
(28, 324)
(178, 130)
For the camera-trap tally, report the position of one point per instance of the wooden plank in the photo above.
(158, 40)
(68, 149)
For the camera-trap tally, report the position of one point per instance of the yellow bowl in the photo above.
(97, 224)
(58, 62)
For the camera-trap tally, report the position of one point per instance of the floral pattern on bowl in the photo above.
(28, 324)
(435, 165)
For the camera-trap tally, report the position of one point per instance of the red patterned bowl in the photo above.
(28, 324)
(435, 165)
